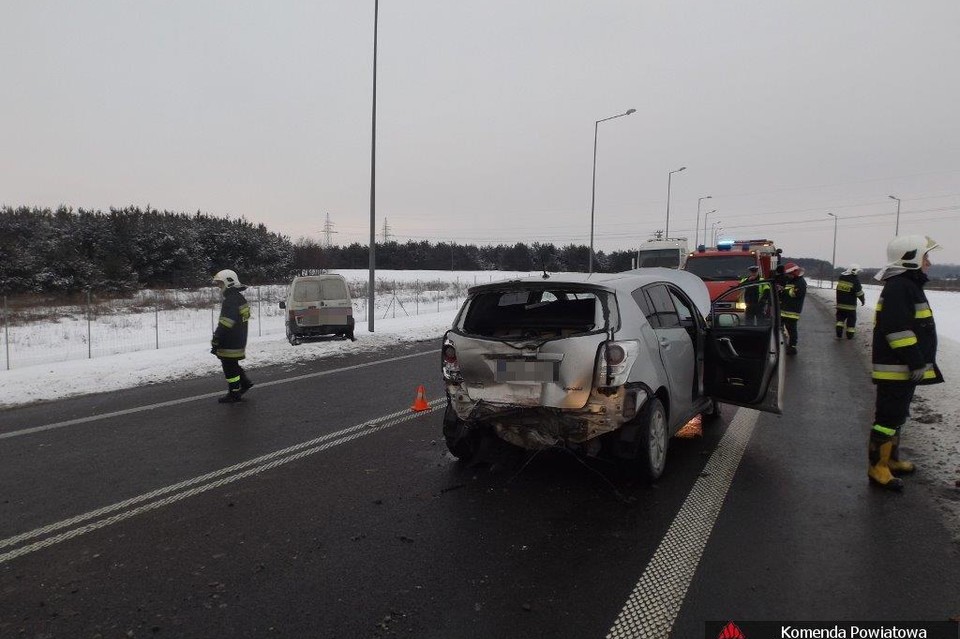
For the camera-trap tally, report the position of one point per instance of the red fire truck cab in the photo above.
(721, 267)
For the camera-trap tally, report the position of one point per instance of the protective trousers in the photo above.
(892, 409)
(790, 325)
(234, 373)
(846, 323)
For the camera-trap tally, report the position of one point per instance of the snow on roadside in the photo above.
(931, 437)
(79, 377)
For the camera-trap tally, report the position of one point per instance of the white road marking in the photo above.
(652, 607)
(184, 400)
(175, 492)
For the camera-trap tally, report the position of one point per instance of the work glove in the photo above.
(213, 347)
(916, 375)
(862, 301)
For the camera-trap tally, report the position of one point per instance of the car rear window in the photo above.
(533, 313)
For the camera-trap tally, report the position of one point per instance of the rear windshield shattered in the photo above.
(523, 313)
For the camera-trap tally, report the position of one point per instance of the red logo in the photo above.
(731, 631)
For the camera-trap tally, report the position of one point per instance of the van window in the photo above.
(334, 289)
(307, 291)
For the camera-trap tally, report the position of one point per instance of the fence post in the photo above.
(89, 320)
(156, 316)
(6, 332)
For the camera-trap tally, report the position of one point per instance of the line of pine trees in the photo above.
(68, 251)
(45, 251)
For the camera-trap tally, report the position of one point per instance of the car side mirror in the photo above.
(283, 305)
(727, 320)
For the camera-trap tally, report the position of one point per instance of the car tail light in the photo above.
(614, 362)
(451, 366)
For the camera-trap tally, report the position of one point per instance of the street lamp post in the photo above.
(666, 231)
(833, 260)
(897, 229)
(714, 227)
(705, 216)
(696, 228)
(593, 188)
(373, 178)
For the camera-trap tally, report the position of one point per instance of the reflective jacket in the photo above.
(849, 291)
(791, 297)
(904, 335)
(230, 339)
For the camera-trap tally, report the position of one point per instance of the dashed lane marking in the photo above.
(184, 400)
(176, 492)
(652, 607)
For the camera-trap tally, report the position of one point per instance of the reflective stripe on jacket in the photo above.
(849, 291)
(230, 337)
(792, 296)
(904, 335)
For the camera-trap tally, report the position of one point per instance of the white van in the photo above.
(318, 305)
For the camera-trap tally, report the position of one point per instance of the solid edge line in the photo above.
(652, 607)
(184, 400)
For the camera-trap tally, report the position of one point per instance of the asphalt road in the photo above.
(322, 507)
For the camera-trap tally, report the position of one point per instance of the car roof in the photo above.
(624, 282)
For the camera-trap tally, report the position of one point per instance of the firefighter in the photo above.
(849, 291)
(229, 341)
(904, 353)
(792, 294)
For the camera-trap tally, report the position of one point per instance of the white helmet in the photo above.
(908, 250)
(229, 279)
(854, 269)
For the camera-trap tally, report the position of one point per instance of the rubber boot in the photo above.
(245, 383)
(840, 327)
(878, 471)
(896, 465)
(231, 397)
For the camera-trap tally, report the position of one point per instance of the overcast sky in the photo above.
(782, 111)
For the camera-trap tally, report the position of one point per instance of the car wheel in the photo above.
(652, 453)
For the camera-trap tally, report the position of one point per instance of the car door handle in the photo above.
(726, 342)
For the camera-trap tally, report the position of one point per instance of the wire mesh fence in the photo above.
(51, 329)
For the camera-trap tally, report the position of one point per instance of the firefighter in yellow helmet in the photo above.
(229, 341)
(904, 353)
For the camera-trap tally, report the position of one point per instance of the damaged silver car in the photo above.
(602, 364)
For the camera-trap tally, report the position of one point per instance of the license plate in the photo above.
(511, 370)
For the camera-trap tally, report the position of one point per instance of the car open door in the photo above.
(745, 348)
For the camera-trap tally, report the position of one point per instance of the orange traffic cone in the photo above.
(420, 403)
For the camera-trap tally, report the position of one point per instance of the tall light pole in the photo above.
(833, 260)
(666, 231)
(373, 178)
(593, 188)
(705, 216)
(897, 229)
(696, 228)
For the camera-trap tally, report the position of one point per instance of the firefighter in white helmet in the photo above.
(904, 353)
(849, 291)
(229, 341)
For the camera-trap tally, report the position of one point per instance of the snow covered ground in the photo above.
(932, 437)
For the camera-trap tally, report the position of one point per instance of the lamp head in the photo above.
(629, 111)
(893, 197)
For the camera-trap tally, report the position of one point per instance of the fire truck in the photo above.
(721, 267)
